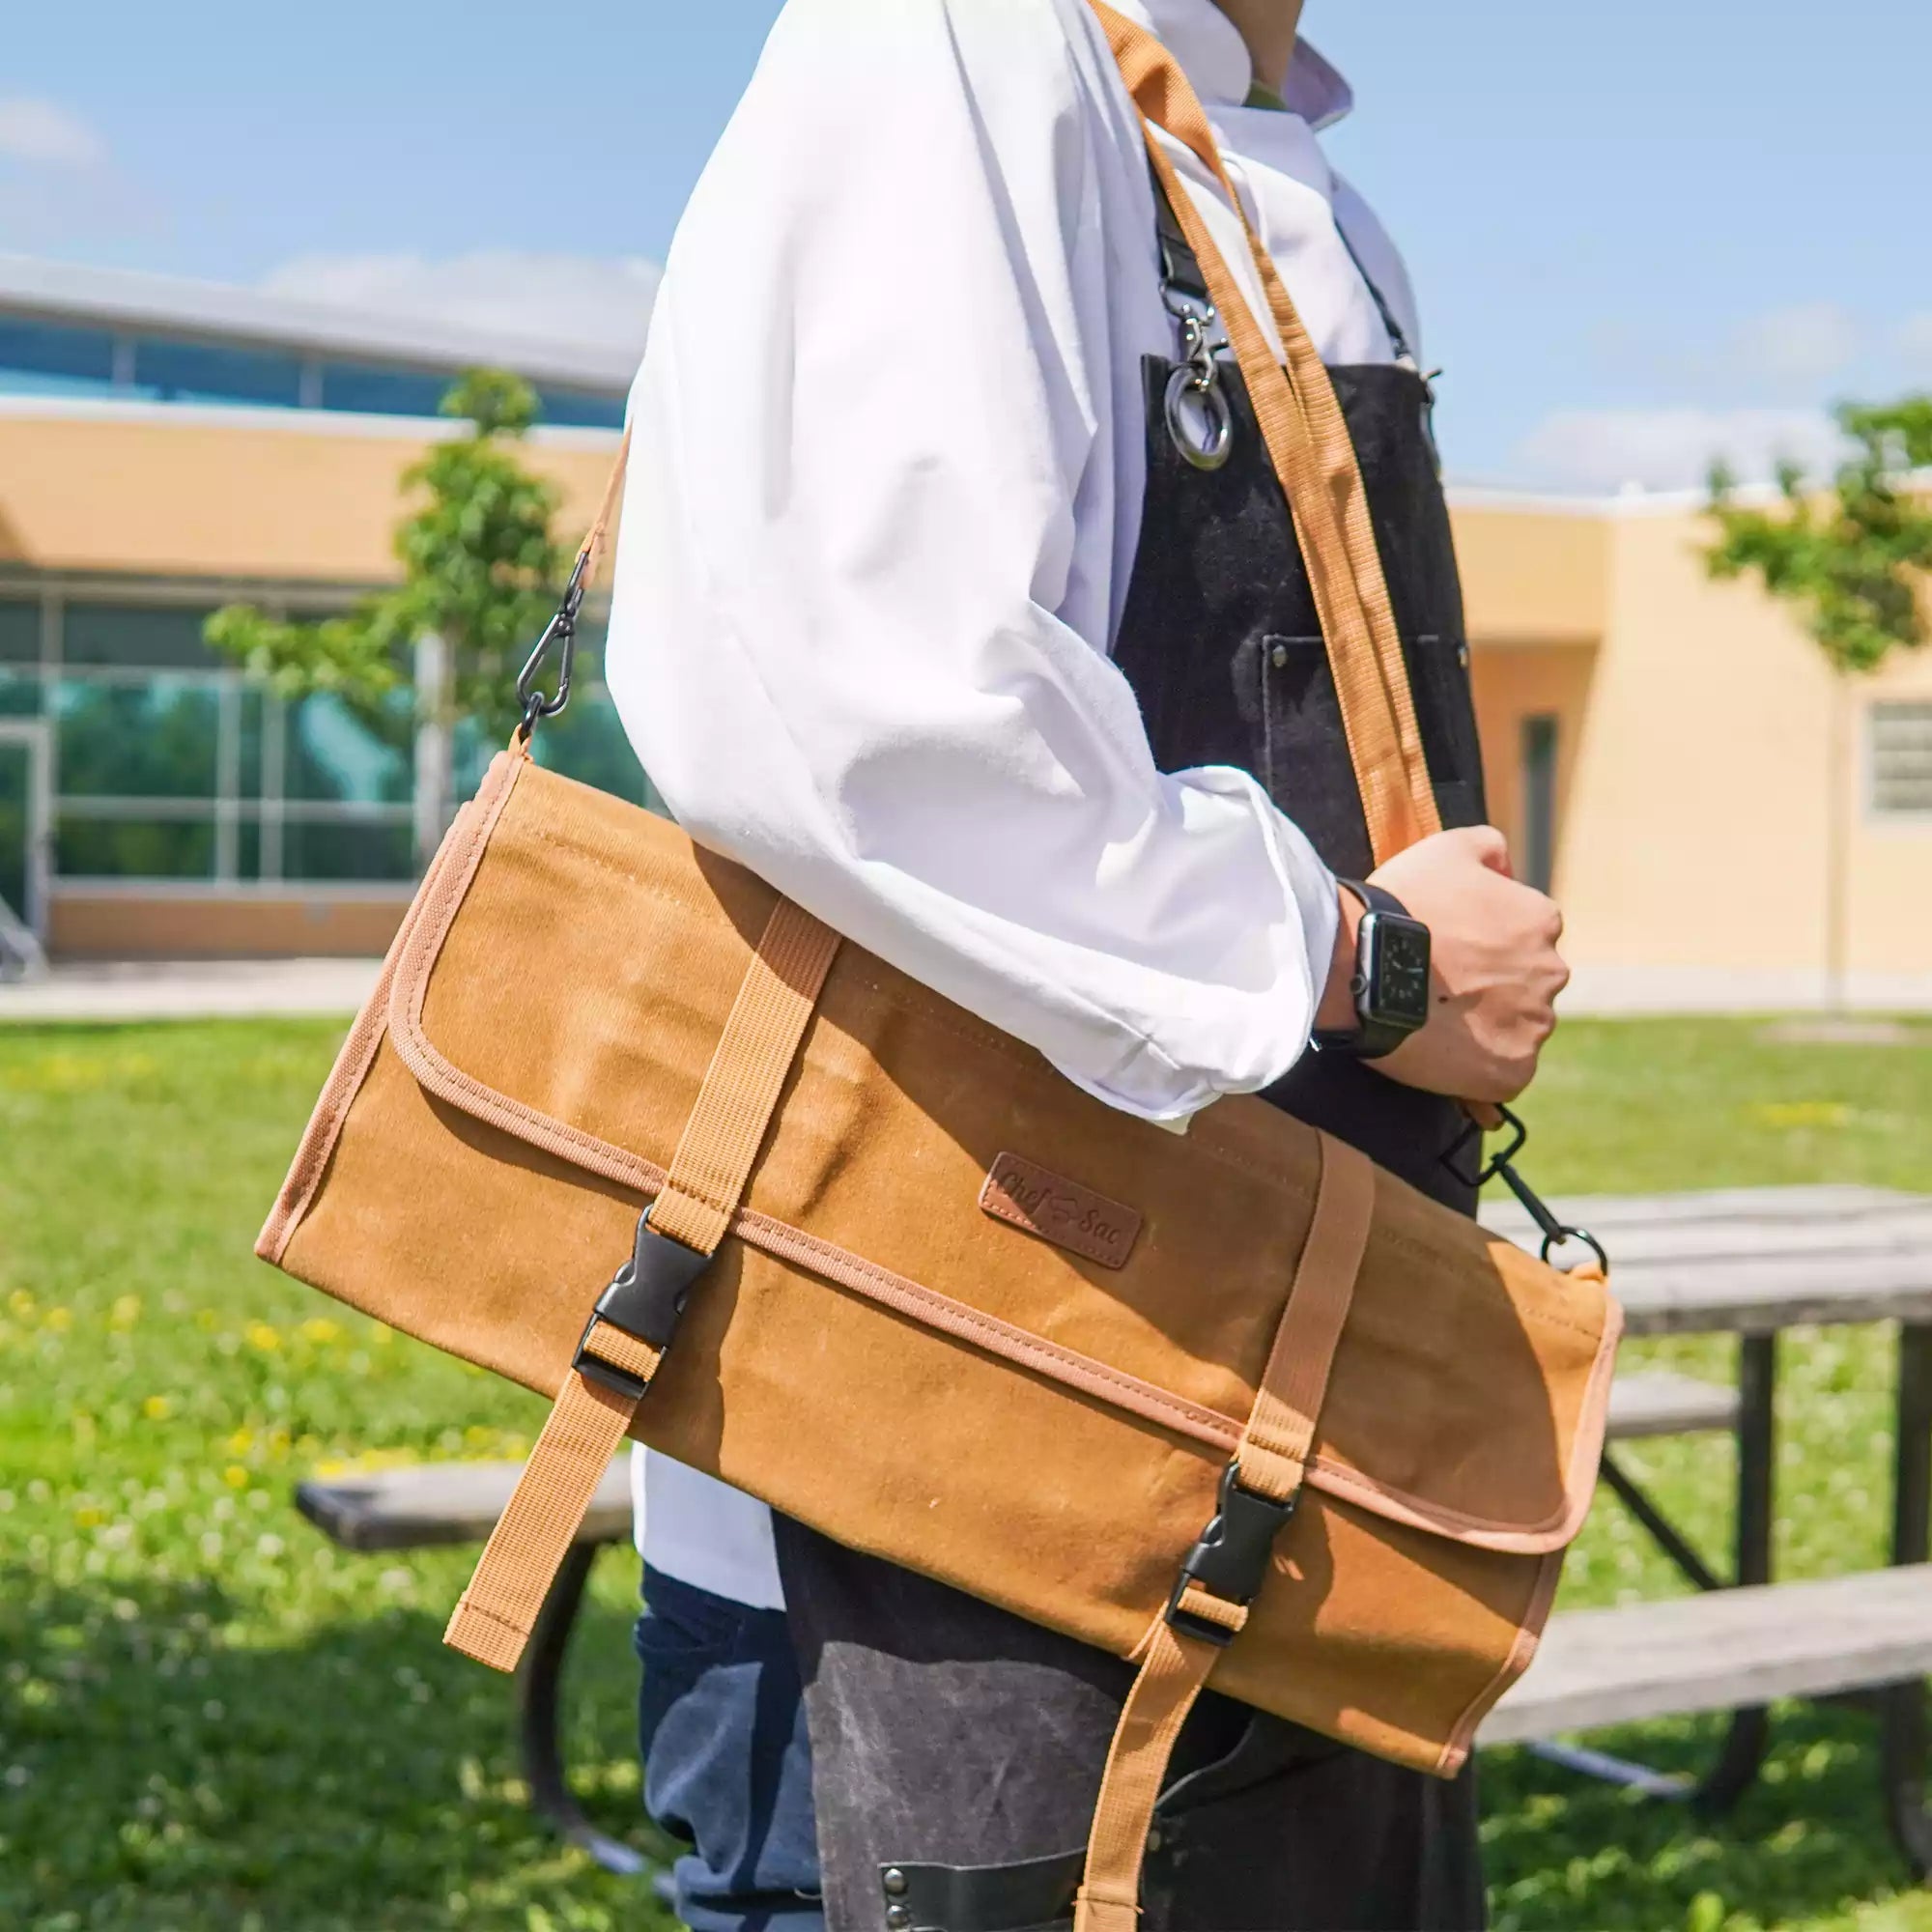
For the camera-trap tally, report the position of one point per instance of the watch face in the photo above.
(1398, 984)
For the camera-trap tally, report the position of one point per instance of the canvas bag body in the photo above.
(511, 1095)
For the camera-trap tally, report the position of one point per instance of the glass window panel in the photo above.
(471, 750)
(577, 409)
(136, 634)
(249, 706)
(20, 631)
(588, 743)
(587, 666)
(45, 359)
(207, 372)
(248, 849)
(16, 801)
(347, 850)
(336, 754)
(369, 390)
(19, 693)
(155, 739)
(134, 848)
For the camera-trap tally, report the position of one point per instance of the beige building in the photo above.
(1727, 824)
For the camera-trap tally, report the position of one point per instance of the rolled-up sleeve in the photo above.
(872, 539)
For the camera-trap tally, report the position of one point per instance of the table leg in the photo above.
(1740, 1756)
(1902, 1726)
(538, 1681)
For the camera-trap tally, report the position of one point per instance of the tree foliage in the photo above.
(479, 568)
(1850, 558)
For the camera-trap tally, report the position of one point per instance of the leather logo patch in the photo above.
(1060, 1210)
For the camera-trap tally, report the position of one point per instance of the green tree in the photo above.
(479, 574)
(1850, 560)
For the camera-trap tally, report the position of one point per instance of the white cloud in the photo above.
(1806, 343)
(45, 134)
(1914, 342)
(1595, 451)
(561, 298)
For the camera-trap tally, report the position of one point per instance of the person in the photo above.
(925, 610)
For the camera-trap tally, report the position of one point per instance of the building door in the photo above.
(25, 815)
(1536, 858)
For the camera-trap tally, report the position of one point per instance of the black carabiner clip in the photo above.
(559, 632)
(1502, 1167)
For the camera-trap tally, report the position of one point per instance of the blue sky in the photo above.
(1637, 232)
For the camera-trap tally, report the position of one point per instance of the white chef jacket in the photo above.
(882, 503)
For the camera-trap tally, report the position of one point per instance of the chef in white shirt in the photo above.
(926, 612)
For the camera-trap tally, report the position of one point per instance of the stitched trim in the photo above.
(358, 1053)
(1522, 1653)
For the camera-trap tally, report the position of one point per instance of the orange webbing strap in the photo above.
(1308, 443)
(706, 1182)
(600, 525)
(741, 1086)
(1176, 1660)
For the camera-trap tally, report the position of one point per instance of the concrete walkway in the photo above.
(176, 989)
(147, 989)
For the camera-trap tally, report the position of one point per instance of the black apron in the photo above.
(957, 1749)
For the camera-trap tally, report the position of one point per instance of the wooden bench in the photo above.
(432, 1503)
(428, 1503)
(1723, 1650)
(1753, 1263)
(1658, 1402)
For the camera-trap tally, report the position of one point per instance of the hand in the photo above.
(1494, 969)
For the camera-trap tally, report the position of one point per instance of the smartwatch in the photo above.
(1390, 983)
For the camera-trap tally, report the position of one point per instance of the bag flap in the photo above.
(564, 975)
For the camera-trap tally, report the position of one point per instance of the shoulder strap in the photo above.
(1308, 443)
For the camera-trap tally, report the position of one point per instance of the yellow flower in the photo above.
(126, 1313)
(234, 1476)
(157, 1409)
(321, 1330)
(90, 1518)
(1801, 1114)
(21, 1303)
(383, 1335)
(261, 1336)
(240, 1443)
(60, 1319)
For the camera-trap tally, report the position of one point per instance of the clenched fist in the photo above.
(1494, 969)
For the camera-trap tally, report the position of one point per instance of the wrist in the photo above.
(1335, 1009)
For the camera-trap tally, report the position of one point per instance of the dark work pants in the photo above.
(947, 1731)
(727, 1766)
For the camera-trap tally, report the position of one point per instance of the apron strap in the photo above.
(629, 1331)
(1308, 444)
(1225, 1570)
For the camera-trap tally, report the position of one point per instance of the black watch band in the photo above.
(1373, 1035)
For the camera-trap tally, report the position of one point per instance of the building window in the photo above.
(1901, 759)
(39, 358)
(169, 766)
(1536, 862)
(206, 372)
(578, 408)
(59, 359)
(363, 389)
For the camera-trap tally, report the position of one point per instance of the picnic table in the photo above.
(1746, 1262)
(1753, 1263)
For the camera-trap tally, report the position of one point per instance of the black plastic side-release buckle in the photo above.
(1231, 1561)
(645, 1299)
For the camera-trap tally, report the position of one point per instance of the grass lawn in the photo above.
(211, 1720)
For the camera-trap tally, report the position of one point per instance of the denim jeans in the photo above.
(720, 1723)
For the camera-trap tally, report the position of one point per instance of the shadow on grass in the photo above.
(1809, 1843)
(164, 1775)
